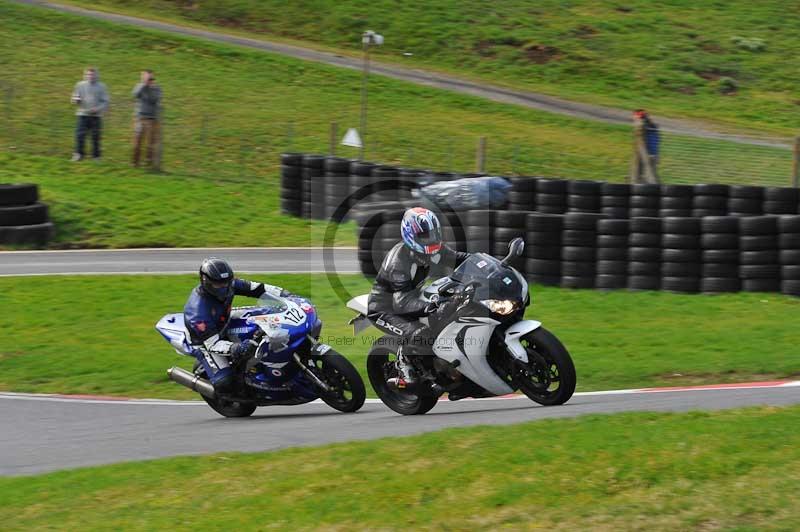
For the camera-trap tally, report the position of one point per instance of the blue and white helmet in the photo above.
(421, 231)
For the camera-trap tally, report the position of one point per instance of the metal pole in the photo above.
(364, 77)
(796, 163)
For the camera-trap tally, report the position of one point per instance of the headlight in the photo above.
(504, 307)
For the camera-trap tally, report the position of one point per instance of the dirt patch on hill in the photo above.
(541, 54)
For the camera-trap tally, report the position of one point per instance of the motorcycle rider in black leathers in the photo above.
(395, 306)
(206, 317)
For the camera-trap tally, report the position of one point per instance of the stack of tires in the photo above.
(410, 179)
(759, 267)
(522, 196)
(612, 254)
(744, 200)
(313, 181)
(385, 181)
(720, 254)
(710, 200)
(551, 196)
(583, 196)
(337, 185)
(579, 250)
(615, 200)
(645, 200)
(369, 254)
(681, 257)
(543, 248)
(789, 242)
(676, 201)
(292, 184)
(478, 229)
(361, 181)
(508, 226)
(781, 200)
(644, 254)
(23, 219)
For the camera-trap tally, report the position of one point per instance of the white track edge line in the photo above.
(166, 250)
(18, 396)
(174, 272)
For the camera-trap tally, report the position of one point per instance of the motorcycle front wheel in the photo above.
(549, 376)
(380, 367)
(347, 392)
(225, 407)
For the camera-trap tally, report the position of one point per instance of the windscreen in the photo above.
(496, 280)
(272, 303)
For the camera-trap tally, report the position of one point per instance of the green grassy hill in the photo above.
(230, 112)
(726, 62)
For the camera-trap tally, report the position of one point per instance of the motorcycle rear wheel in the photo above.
(380, 367)
(225, 407)
(554, 382)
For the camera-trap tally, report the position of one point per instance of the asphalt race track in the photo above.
(47, 433)
(174, 260)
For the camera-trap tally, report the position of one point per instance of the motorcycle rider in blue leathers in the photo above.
(207, 313)
(394, 305)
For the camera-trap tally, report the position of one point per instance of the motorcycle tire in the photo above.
(556, 355)
(337, 368)
(221, 406)
(405, 403)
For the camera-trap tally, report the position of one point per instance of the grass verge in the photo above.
(94, 334)
(735, 469)
(718, 63)
(104, 205)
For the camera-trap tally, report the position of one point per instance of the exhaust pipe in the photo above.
(191, 381)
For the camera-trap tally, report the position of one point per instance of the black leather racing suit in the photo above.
(394, 302)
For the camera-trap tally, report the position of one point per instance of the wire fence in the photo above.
(221, 147)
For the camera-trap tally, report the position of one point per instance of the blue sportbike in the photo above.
(289, 367)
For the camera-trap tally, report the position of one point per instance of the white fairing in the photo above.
(359, 304)
(471, 356)
(513, 335)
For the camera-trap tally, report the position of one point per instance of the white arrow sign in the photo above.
(352, 138)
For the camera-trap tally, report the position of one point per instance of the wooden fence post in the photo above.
(480, 157)
(796, 163)
(334, 137)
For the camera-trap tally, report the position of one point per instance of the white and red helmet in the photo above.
(421, 231)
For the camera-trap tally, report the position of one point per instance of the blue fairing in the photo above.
(277, 377)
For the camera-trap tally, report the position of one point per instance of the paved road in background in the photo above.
(421, 77)
(247, 260)
(45, 434)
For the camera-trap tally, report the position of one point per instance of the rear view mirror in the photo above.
(515, 249)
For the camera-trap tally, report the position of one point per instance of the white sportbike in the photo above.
(483, 348)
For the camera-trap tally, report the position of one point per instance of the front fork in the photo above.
(317, 349)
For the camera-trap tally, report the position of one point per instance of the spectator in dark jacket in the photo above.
(147, 126)
(651, 138)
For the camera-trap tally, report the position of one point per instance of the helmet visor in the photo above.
(223, 283)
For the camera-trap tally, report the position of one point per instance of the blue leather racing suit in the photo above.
(206, 318)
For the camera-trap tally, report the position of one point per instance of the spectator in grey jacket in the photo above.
(91, 97)
(147, 117)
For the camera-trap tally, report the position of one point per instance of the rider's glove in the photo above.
(247, 348)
